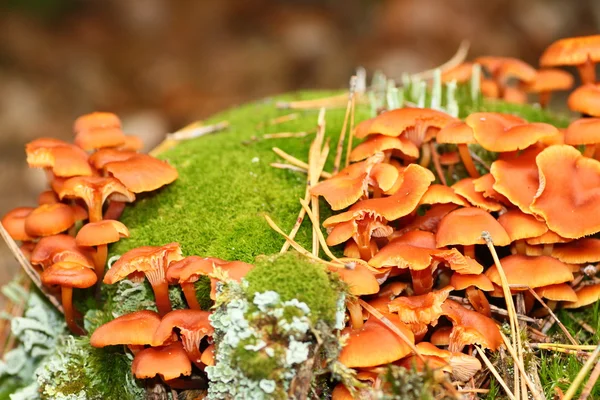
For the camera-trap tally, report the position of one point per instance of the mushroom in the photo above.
(104, 156)
(470, 327)
(69, 275)
(548, 240)
(586, 295)
(142, 173)
(533, 272)
(473, 286)
(460, 134)
(100, 234)
(584, 131)
(56, 248)
(193, 326)
(464, 227)
(460, 74)
(94, 191)
(152, 261)
(582, 52)
(14, 223)
(399, 146)
(374, 343)
(170, 362)
(504, 68)
(546, 81)
(431, 219)
(581, 251)
(441, 194)
(485, 185)
(568, 181)
(61, 158)
(441, 336)
(208, 355)
(586, 100)
(49, 219)
(557, 292)
(461, 366)
(98, 130)
(521, 226)
(135, 330)
(48, 197)
(466, 188)
(422, 309)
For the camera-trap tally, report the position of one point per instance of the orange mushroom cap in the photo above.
(142, 173)
(583, 131)
(14, 223)
(504, 68)
(132, 143)
(549, 80)
(586, 250)
(465, 226)
(531, 271)
(557, 292)
(360, 279)
(586, 100)
(466, 188)
(192, 271)
(101, 232)
(422, 309)
(169, 362)
(208, 355)
(93, 139)
(193, 326)
(519, 225)
(485, 185)
(56, 248)
(399, 146)
(49, 219)
(463, 281)
(441, 194)
(96, 120)
(571, 51)
(69, 274)
(64, 159)
(461, 73)
(136, 328)
(47, 197)
(457, 132)
(104, 156)
(204, 266)
(441, 336)
(568, 191)
(547, 238)
(470, 327)
(587, 295)
(374, 343)
(431, 220)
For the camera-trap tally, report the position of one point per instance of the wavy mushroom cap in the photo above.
(142, 173)
(470, 327)
(587, 295)
(400, 147)
(586, 100)
(549, 80)
(56, 248)
(485, 185)
(104, 156)
(132, 143)
(463, 281)
(519, 225)
(466, 188)
(464, 226)
(583, 131)
(96, 120)
(569, 192)
(547, 238)
(49, 219)
(14, 223)
(422, 309)
(193, 325)
(557, 292)
(101, 232)
(503, 132)
(135, 328)
(88, 187)
(571, 51)
(169, 362)
(441, 194)
(456, 133)
(204, 265)
(586, 250)
(531, 271)
(93, 139)
(375, 344)
(64, 159)
(69, 274)
(234, 270)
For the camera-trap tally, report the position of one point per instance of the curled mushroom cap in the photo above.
(62, 158)
(568, 181)
(14, 223)
(399, 146)
(466, 188)
(586, 100)
(441, 194)
(169, 362)
(49, 219)
(586, 250)
(441, 336)
(463, 281)
(96, 120)
(142, 173)
(531, 271)
(374, 343)
(485, 185)
(135, 328)
(457, 132)
(56, 248)
(470, 327)
(104, 156)
(587, 295)
(101, 232)
(465, 226)
(557, 292)
(47, 197)
(424, 309)
(519, 225)
(583, 131)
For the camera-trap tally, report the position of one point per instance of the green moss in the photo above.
(294, 277)
(256, 365)
(202, 287)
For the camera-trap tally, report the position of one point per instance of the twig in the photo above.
(196, 130)
(316, 156)
(288, 166)
(340, 145)
(496, 310)
(587, 389)
(583, 347)
(278, 120)
(479, 160)
(29, 270)
(351, 133)
(581, 375)
(494, 372)
(316, 224)
(285, 135)
(560, 324)
(296, 162)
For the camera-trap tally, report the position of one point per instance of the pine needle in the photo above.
(494, 372)
(278, 120)
(521, 367)
(340, 145)
(581, 375)
(285, 135)
(589, 386)
(560, 324)
(351, 133)
(296, 162)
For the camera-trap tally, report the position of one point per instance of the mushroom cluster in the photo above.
(420, 240)
(66, 236)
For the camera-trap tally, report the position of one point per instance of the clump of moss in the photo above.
(293, 276)
(202, 289)
(256, 365)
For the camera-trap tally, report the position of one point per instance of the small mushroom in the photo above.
(49, 219)
(521, 226)
(14, 223)
(460, 134)
(98, 130)
(586, 295)
(61, 158)
(584, 99)
(582, 52)
(135, 330)
(170, 362)
(100, 234)
(69, 275)
(52, 249)
(581, 251)
(546, 81)
(142, 173)
(470, 327)
(422, 309)
(584, 131)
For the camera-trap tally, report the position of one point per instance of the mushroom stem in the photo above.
(425, 156)
(422, 281)
(95, 211)
(356, 314)
(547, 250)
(465, 156)
(589, 151)
(161, 296)
(587, 72)
(187, 384)
(189, 291)
(469, 251)
(520, 246)
(436, 163)
(100, 260)
(544, 99)
(364, 251)
(67, 303)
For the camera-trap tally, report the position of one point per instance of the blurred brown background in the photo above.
(161, 64)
